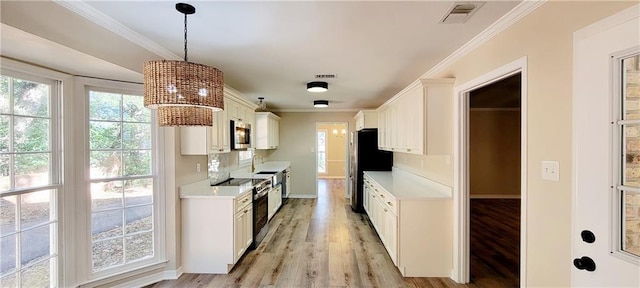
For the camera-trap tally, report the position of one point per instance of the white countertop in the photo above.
(203, 189)
(404, 185)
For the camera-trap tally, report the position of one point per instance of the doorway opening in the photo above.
(490, 196)
(331, 154)
(494, 182)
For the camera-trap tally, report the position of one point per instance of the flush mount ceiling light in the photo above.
(317, 86)
(320, 103)
(187, 92)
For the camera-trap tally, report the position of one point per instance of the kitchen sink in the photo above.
(267, 172)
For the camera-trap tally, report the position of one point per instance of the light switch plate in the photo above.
(551, 170)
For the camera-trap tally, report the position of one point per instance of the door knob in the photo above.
(588, 236)
(585, 263)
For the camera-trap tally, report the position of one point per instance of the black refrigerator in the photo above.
(365, 156)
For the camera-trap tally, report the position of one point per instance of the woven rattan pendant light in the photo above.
(185, 93)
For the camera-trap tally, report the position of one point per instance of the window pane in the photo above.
(7, 215)
(137, 162)
(34, 244)
(31, 170)
(138, 192)
(30, 98)
(106, 195)
(104, 135)
(138, 219)
(31, 134)
(4, 173)
(36, 275)
(134, 110)
(34, 208)
(136, 135)
(8, 252)
(631, 86)
(4, 95)
(104, 106)
(106, 224)
(139, 246)
(8, 281)
(107, 253)
(105, 164)
(4, 133)
(631, 229)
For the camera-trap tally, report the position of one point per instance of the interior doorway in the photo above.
(494, 182)
(332, 139)
(490, 168)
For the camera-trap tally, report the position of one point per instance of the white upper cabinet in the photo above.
(419, 119)
(366, 119)
(267, 130)
(203, 140)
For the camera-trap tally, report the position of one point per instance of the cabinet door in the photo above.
(238, 237)
(365, 195)
(391, 234)
(248, 227)
(271, 203)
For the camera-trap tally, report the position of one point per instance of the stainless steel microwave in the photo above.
(240, 135)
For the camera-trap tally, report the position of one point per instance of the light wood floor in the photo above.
(315, 243)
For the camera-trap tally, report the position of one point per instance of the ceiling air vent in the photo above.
(325, 76)
(460, 12)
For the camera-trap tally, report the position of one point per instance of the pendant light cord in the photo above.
(185, 38)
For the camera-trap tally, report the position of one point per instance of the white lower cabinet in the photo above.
(274, 201)
(416, 232)
(216, 231)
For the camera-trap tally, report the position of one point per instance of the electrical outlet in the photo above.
(198, 167)
(551, 170)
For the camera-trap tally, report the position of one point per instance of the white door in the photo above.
(603, 192)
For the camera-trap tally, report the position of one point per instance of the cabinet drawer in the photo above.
(386, 198)
(243, 201)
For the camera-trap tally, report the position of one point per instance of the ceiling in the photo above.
(266, 49)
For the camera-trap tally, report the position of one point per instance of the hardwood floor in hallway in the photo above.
(315, 243)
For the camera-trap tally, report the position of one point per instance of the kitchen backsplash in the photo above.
(218, 167)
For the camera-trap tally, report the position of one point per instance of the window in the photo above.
(29, 181)
(121, 180)
(629, 136)
(322, 151)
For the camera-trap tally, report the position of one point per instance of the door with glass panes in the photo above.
(606, 136)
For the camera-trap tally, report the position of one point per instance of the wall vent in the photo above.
(325, 76)
(460, 12)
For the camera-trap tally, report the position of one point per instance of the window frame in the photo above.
(17, 70)
(618, 123)
(83, 257)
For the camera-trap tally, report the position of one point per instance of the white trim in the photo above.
(172, 274)
(494, 196)
(607, 23)
(523, 9)
(94, 15)
(460, 170)
(315, 110)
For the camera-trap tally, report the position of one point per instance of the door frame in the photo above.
(461, 205)
(346, 152)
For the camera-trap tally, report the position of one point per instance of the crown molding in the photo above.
(523, 9)
(103, 20)
(315, 110)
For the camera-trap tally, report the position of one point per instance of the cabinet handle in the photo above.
(381, 196)
(385, 209)
(245, 200)
(245, 211)
(389, 203)
(408, 150)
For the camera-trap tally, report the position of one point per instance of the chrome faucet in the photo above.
(253, 165)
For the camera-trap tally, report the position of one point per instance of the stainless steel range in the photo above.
(260, 211)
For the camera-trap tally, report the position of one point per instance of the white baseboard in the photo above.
(142, 281)
(331, 177)
(172, 274)
(303, 196)
(494, 196)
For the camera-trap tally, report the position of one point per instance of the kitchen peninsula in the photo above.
(219, 222)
